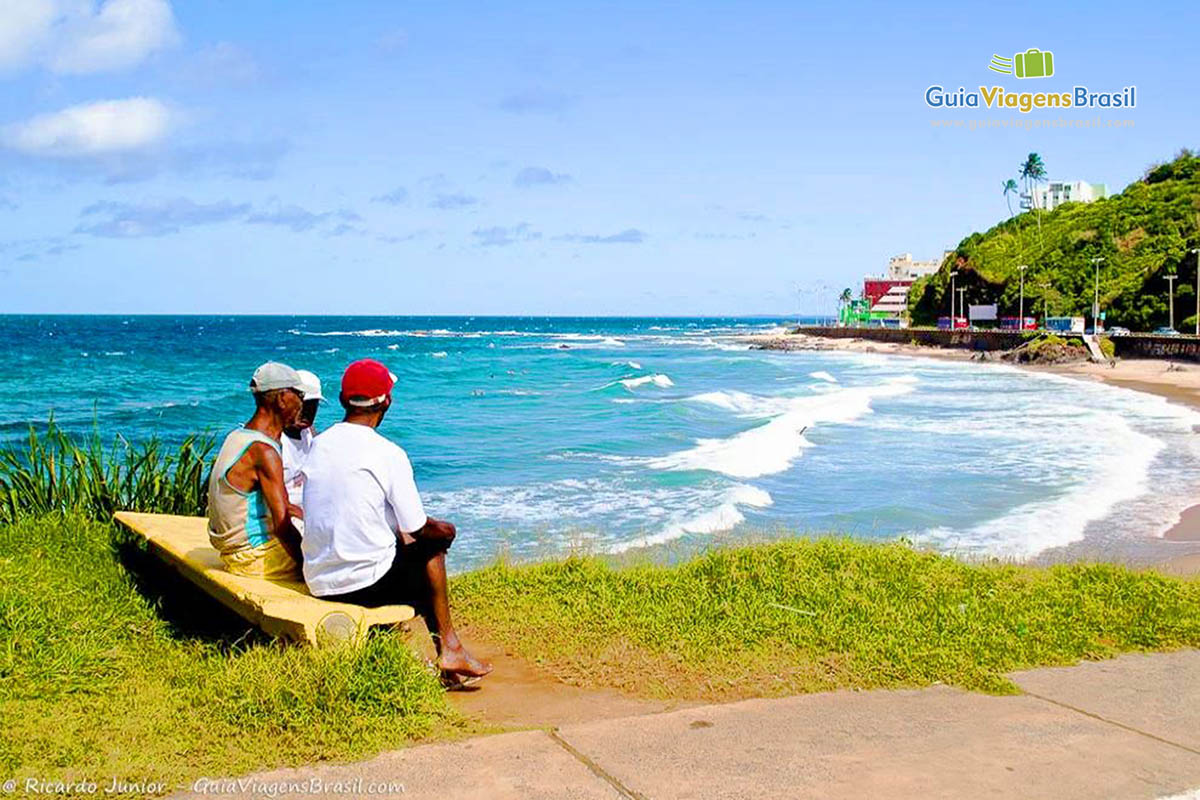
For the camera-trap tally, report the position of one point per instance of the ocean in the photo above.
(539, 436)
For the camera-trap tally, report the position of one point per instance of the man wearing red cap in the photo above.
(367, 539)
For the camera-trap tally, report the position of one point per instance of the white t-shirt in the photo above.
(358, 492)
(294, 451)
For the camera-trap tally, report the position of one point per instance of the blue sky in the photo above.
(447, 158)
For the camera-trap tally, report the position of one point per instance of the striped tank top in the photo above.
(237, 520)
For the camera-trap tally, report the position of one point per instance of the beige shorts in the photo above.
(271, 561)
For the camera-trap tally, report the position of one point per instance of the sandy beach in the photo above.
(1179, 382)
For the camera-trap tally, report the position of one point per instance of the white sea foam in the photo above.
(438, 354)
(629, 364)
(725, 516)
(583, 341)
(393, 347)
(366, 332)
(1113, 475)
(822, 375)
(1110, 472)
(659, 380)
(565, 507)
(743, 403)
(773, 447)
(435, 333)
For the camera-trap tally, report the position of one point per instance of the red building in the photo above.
(875, 288)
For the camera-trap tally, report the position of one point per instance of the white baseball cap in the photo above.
(310, 384)
(273, 375)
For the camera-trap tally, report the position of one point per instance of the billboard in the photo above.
(982, 313)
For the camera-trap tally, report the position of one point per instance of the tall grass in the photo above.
(107, 668)
(103, 676)
(55, 472)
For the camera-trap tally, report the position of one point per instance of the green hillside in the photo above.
(1143, 234)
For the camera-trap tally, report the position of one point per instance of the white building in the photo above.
(903, 268)
(1056, 193)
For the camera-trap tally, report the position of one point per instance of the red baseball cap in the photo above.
(367, 383)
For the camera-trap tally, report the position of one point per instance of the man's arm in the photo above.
(268, 471)
(437, 529)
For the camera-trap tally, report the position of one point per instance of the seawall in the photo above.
(1136, 345)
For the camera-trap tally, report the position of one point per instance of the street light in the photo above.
(1196, 253)
(1021, 307)
(962, 300)
(1096, 298)
(952, 274)
(1171, 299)
(1045, 304)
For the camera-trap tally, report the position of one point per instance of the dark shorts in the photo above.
(405, 583)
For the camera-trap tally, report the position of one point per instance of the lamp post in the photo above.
(962, 299)
(1021, 307)
(1196, 253)
(1045, 304)
(1096, 298)
(952, 274)
(1171, 299)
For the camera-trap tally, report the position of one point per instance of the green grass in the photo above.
(802, 616)
(107, 671)
(98, 678)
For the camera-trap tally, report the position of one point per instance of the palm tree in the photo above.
(1010, 188)
(1034, 172)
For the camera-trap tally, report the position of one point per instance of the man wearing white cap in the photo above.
(249, 518)
(298, 437)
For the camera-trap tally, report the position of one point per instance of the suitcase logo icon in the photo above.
(1033, 63)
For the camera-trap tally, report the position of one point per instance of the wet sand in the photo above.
(1179, 382)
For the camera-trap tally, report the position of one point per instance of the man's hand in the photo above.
(437, 529)
(296, 511)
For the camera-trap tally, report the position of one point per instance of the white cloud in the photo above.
(79, 36)
(24, 28)
(92, 129)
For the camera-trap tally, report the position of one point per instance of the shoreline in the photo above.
(1177, 383)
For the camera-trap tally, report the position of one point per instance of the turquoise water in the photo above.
(535, 435)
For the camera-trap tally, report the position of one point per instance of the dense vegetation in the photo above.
(1143, 234)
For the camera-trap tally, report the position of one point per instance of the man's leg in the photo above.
(452, 656)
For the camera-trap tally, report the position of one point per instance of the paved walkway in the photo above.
(1126, 728)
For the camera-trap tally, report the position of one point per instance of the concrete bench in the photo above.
(280, 608)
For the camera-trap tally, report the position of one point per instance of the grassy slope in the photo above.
(857, 615)
(94, 682)
(98, 678)
(1143, 233)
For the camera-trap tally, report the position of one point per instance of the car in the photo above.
(1165, 331)
(1118, 331)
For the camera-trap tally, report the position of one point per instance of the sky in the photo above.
(534, 158)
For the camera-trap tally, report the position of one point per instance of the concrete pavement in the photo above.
(1125, 728)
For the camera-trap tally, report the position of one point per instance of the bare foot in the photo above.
(460, 662)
